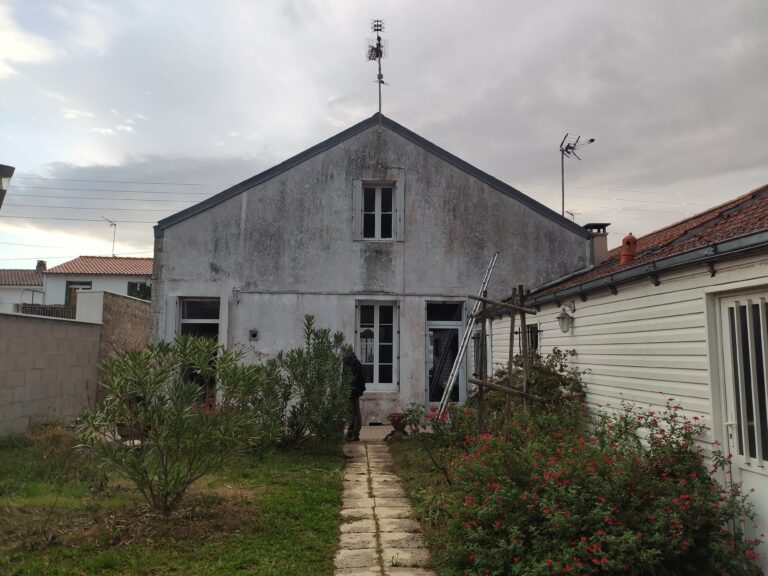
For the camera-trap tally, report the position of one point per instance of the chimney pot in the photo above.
(628, 249)
(41, 266)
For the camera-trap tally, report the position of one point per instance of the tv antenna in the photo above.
(376, 51)
(112, 225)
(568, 147)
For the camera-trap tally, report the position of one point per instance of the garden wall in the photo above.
(124, 320)
(48, 369)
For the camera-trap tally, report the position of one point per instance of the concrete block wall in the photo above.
(48, 369)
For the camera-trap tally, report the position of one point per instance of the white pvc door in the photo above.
(744, 330)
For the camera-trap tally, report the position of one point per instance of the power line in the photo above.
(76, 219)
(74, 256)
(13, 188)
(29, 245)
(114, 181)
(96, 198)
(643, 201)
(88, 208)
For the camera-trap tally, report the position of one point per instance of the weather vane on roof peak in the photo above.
(376, 51)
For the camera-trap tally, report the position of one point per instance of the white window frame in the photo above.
(375, 385)
(182, 320)
(358, 213)
(378, 212)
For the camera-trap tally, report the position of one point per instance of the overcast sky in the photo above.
(134, 109)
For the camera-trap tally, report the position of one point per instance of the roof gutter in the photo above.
(706, 254)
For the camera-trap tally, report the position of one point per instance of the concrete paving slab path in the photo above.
(378, 534)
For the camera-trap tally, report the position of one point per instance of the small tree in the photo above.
(157, 423)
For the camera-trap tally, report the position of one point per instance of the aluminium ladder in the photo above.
(454, 375)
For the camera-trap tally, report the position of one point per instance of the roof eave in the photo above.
(264, 176)
(713, 252)
(341, 137)
(491, 181)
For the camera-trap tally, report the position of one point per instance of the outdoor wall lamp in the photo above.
(565, 318)
(236, 293)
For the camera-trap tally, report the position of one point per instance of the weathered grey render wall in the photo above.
(288, 245)
(48, 369)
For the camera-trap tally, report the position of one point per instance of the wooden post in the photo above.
(524, 343)
(510, 366)
(483, 356)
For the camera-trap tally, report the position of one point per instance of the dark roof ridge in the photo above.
(349, 133)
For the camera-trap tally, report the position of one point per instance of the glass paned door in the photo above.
(444, 332)
(442, 349)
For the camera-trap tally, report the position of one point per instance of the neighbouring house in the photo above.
(116, 274)
(679, 313)
(378, 233)
(21, 287)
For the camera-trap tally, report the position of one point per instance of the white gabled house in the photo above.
(378, 233)
(21, 286)
(116, 274)
(685, 315)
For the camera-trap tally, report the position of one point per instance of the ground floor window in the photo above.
(377, 343)
(141, 290)
(200, 317)
(70, 297)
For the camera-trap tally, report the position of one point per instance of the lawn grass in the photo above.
(275, 515)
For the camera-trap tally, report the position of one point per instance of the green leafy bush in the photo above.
(157, 422)
(562, 492)
(300, 394)
(312, 386)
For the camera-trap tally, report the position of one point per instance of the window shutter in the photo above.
(400, 212)
(357, 210)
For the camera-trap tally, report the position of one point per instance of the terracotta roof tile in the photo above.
(21, 278)
(114, 265)
(746, 214)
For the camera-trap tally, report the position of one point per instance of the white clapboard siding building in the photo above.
(684, 317)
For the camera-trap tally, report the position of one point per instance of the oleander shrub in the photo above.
(158, 424)
(313, 381)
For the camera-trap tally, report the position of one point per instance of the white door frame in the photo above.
(458, 325)
(751, 471)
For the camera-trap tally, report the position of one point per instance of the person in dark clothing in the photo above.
(356, 374)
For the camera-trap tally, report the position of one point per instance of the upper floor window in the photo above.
(378, 211)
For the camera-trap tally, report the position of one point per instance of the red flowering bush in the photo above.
(564, 494)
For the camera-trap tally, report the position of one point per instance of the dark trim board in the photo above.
(341, 137)
(706, 255)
